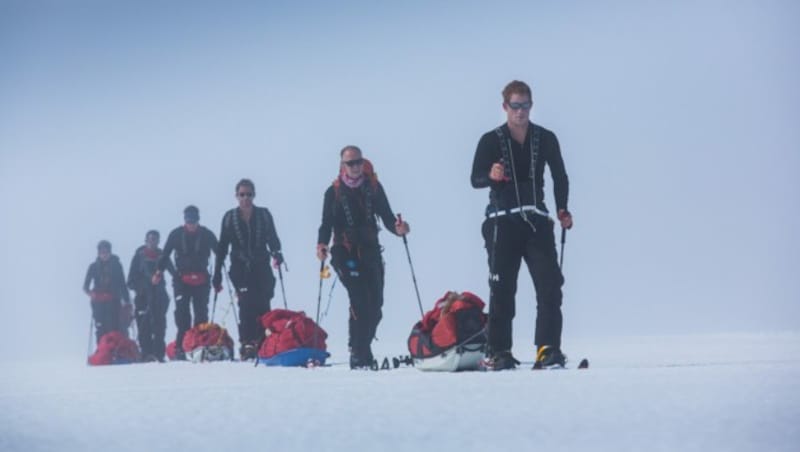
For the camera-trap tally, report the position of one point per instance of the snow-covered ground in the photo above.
(703, 392)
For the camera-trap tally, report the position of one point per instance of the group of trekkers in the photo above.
(509, 159)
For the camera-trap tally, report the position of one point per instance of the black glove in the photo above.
(277, 259)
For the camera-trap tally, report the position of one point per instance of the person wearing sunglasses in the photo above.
(510, 161)
(105, 286)
(249, 232)
(349, 212)
(192, 245)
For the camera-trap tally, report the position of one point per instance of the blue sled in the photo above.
(297, 357)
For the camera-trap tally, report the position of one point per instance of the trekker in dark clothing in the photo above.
(193, 245)
(249, 232)
(105, 285)
(348, 212)
(151, 300)
(510, 160)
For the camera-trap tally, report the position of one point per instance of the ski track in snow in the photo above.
(742, 395)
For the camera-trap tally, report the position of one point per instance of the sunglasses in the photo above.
(354, 162)
(245, 194)
(520, 105)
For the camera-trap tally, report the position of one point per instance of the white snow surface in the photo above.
(726, 392)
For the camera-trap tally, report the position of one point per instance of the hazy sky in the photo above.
(677, 123)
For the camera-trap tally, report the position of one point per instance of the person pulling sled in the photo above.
(349, 211)
(510, 160)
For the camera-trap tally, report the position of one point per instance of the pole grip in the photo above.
(400, 219)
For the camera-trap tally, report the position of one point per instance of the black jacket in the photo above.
(531, 189)
(251, 243)
(192, 250)
(143, 266)
(349, 213)
(107, 277)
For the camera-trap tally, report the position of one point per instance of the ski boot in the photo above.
(499, 361)
(362, 360)
(548, 357)
(247, 352)
(180, 355)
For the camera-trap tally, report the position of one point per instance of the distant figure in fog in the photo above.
(192, 245)
(105, 286)
(151, 300)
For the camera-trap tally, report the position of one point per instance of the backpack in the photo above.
(457, 319)
(208, 342)
(114, 348)
(287, 330)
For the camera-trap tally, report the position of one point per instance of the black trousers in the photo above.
(187, 299)
(516, 241)
(106, 317)
(255, 287)
(362, 274)
(151, 320)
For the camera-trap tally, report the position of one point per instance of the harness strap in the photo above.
(508, 167)
(235, 221)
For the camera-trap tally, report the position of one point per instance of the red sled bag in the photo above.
(287, 330)
(114, 348)
(208, 342)
(456, 319)
(170, 351)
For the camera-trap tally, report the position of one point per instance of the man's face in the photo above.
(352, 163)
(104, 254)
(245, 196)
(191, 226)
(518, 109)
(151, 241)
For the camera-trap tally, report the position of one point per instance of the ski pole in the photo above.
(283, 291)
(230, 292)
(319, 295)
(330, 296)
(319, 301)
(561, 256)
(493, 277)
(413, 275)
(214, 306)
(91, 332)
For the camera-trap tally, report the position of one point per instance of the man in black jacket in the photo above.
(193, 245)
(510, 160)
(348, 211)
(105, 286)
(249, 232)
(151, 300)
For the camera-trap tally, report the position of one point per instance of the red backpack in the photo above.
(456, 319)
(287, 330)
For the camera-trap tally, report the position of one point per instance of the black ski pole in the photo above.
(330, 296)
(319, 302)
(283, 291)
(319, 295)
(91, 333)
(413, 275)
(561, 256)
(230, 293)
(214, 306)
(493, 277)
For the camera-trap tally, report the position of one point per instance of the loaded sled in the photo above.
(452, 336)
(114, 348)
(208, 342)
(292, 340)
